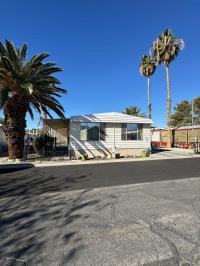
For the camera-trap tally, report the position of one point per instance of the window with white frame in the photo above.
(92, 131)
(131, 131)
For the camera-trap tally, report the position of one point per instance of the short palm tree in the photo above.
(25, 85)
(165, 49)
(147, 68)
(134, 110)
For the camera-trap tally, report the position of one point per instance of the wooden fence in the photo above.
(180, 137)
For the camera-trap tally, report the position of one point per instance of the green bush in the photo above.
(84, 157)
(146, 153)
(43, 143)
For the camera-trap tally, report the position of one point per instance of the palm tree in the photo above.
(134, 110)
(165, 49)
(147, 68)
(25, 85)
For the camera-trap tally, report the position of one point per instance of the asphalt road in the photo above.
(77, 177)
(45, 219)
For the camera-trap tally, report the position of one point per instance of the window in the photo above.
(102, 131)
(93, 131)
(131, 132)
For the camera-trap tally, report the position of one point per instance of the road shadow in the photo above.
(39, 221)
(9, 168)
(158, 150)
(42, 209)
(38, 181)
(42, 229)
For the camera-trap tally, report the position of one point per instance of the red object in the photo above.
(159, 144)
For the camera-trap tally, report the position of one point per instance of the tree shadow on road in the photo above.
(41, 229)
(37, 181)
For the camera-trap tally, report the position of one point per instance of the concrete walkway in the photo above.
(173, 153)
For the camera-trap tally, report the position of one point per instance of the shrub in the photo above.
(146, 153)
(84, 157)
(43, 143)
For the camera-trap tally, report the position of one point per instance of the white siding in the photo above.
(77, 144)
(113, 138)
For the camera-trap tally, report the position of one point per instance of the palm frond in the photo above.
(33, 80)
(23, 52)
(30, 111)
(11, 52)
(3, 97)
(147, 66)
(2, 49)
(166, 47)
(134, 110)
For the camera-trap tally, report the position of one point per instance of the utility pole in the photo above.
(192, 102)
(193, 112)
(193, 123)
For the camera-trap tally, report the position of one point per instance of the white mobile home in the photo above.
(102, 134)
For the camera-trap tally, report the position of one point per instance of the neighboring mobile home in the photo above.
(103, 134)
(59, 129)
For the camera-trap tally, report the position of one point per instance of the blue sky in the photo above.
(99, 44)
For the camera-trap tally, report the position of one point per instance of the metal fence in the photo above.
(59, 147)
(57, 150)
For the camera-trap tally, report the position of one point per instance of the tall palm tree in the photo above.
(25, 85)
(165, 49)
(147, 68)
(134, 110)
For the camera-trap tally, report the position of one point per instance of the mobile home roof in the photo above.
(110, 117)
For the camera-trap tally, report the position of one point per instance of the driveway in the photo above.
(102, 214)
(172, 153)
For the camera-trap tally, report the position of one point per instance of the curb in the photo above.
(73, 163)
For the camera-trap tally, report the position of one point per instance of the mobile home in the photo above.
(102, 134)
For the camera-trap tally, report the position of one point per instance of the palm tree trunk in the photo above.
(149, 99)
(168, 105)
(168, 97)
(15, 124)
